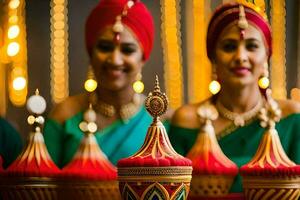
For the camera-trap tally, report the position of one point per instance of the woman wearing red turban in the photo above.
(119, 38)
(239, 47)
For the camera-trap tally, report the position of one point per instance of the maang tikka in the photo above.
(242, 23)
(118, 26)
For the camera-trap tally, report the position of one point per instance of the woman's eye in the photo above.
(105, 47)
(229, 47)
(252, 46)
(128, 49)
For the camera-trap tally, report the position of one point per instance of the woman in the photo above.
(119, 38)
(10, 143)
(239, 48)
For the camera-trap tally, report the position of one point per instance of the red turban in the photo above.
(228, 14)
(138, 20)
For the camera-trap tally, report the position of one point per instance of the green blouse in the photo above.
(10, 143)
(241, 144)
(119, 140)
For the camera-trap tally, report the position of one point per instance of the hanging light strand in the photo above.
(59, 51)
(16, 50)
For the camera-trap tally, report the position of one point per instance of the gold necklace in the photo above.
(239, 119)
(126, 111)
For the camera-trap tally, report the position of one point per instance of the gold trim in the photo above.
(35, 150)
(140, 178)
(85, 183)
(210, 185)
(277, 193)
(171, 43)
(270, 152)
(177, 191)
(160, 187)
(278, 69)
(206, 144)
(271, 182)
(155, 171)
(126, 186)
(7, 180)
(232, 127)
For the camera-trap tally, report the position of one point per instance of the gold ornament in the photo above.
(214, 87)
(126, 111)
(36, 105)
(264, 81)
(242, 23)
(138, 85)
(88, 125)
(90, 84)
(156, 102)
(118, 26)
(239, 119)
(207, 111)
(271, 113)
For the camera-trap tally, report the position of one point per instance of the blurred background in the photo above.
(49, 52)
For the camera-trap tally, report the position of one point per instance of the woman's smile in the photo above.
(114, 72)
(241, 71)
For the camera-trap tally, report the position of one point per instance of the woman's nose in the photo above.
(116, 57)
(241, 55)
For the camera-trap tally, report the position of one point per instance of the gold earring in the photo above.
(264, 81)
(138, 85)
(214, 86)
(90, 84)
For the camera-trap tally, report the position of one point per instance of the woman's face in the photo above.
(239, 60)
(116, 64)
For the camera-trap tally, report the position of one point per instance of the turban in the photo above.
(138, 20)
(228, 14)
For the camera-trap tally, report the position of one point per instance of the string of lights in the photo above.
(59, 50)
(16, 52)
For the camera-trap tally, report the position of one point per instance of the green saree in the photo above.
(119, 140)
(241, 144)
(10, 143)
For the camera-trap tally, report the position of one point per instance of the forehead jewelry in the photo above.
(118, 27)
(242, 23)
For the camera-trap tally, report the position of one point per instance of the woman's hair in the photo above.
(138, 19)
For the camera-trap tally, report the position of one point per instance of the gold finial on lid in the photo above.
(157, 102)
(242, 23)
(36, 105)
(37, 92)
